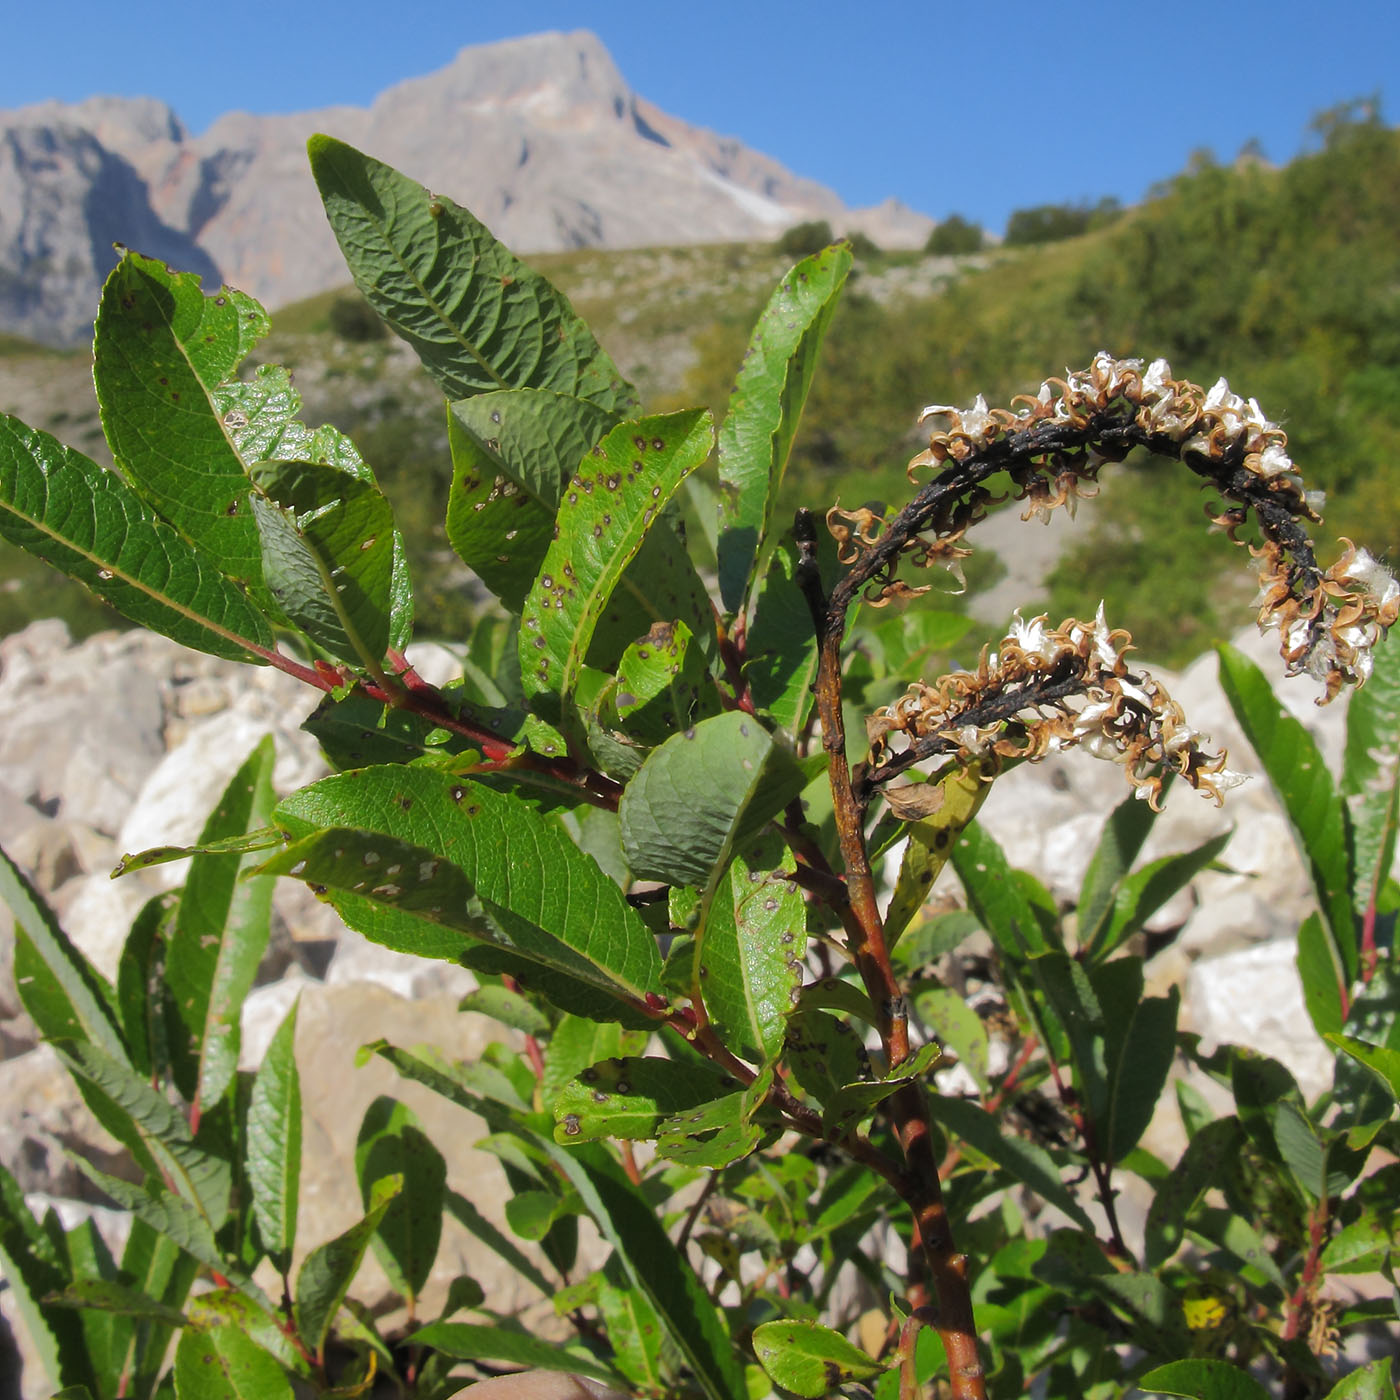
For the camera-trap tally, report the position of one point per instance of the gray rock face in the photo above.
(65, 199)
(542, 138)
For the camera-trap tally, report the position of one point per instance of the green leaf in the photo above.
(107, 1295)
(259, 415)
(1145, 891)
(141, 995)
(1138, 1064)
(173, 1217)
(478, 318)
(995, 896)
(391, 1143)
(273, 1162)
(498, 529)
(824, 1054)
(1203, 1165)
(662, 684)
(548, 897)
(628, 1097)
(264, 838)
(809, 1359)
(328, 556)
(60, 989)
(1069, 994)
(1373, 1382)
(852, 1102)
(534, 438)
(223, 1307)
(683, 811)
(108, 1336)
(1361, 1247)
(1373, 723)
(654, 1264)
(781, 646)
(609, 506)
(533, 1214)
(156, 1265)
(576, 1044)
(1318, 961)
(1313, 806)
(1369, 773)
(959, 795)
(748, 957)
(1120, 843)
(63, 507)
(635, 1333)
(1026, 1162)
(959, 1028)
(221, 930)
(509, 1008)
(1383, 1063)
(1235, 1235)
(326, 1273)
(765, 409)
(512, 452)
(154, 1129)
(469, 1341)
(34, 1270)
(1204, 1380)
(160, 349)
(224, 1363)
(719, 1132)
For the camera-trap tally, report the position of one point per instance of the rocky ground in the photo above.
(125, 741)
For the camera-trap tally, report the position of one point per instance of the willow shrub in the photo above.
(648, 817)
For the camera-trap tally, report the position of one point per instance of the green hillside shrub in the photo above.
(804, 239)
(650, 817)
(955, 235)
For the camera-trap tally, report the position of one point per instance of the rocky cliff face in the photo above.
(65, 198)
(540, 137)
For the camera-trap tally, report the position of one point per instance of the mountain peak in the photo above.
(541, 137)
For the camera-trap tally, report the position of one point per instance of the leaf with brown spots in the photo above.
(751, 948)
(224, 1363)
(630, 1096)
(809, 1359)
(494, 860)
(608, 509)
(161, 347)
(512, 452)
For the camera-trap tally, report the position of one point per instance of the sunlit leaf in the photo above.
(219, 935)
(161, 347)
(765, 408)
(809, 1359)
(478, 318)
(63, 507)
(610, 504)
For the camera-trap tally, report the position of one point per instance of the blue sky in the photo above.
(980, 106)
